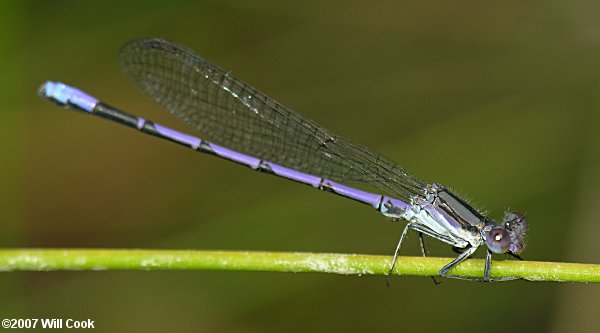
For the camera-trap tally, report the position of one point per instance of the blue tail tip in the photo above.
(68, 96)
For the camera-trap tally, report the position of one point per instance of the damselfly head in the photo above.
(508, 237)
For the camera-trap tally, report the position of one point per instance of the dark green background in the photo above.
(498, 100)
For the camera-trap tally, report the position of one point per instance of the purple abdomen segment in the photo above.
(288, 173)
(352, 193)
(184, 139)
(231, 155)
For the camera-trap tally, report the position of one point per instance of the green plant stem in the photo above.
(348, 264)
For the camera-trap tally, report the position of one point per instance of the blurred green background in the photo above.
(497, 100)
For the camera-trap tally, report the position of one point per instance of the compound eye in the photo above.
(498, 240)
